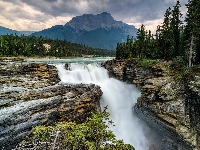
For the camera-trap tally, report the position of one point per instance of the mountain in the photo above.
(100, 31)
(4, 31)
(26, 33)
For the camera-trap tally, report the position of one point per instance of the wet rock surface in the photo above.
(31, 95)
(170, 106)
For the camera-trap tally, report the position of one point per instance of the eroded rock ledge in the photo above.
(31, 95)
(169, 105)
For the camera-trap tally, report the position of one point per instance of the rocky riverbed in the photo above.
(31, 94)
(169, 105)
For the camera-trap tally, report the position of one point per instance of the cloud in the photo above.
(51, 0)
(40, 14)
(21, 16)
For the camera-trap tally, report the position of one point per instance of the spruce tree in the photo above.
(166, 34)
(192, 32)
(141, 34)
(175, 25)
(158, 43)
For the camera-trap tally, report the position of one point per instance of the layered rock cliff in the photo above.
(169, 105)
(31, 95)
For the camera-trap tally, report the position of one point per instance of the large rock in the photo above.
(171, 106)
(31, 95)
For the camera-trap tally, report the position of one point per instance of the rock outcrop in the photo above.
(169, 105)
(31, 95)
(89, 22)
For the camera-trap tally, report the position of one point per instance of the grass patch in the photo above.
(145, 63)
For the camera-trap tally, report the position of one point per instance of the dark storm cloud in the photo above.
(18, 11)
(51, 0)
(129, 11)
(140, 9)
(53, 7)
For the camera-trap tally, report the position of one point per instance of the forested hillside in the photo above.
(174, 39)
(14, 45)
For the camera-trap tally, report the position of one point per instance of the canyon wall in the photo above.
(169, 105)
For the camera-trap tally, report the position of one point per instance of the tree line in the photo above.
(174, 38)
(14, 45)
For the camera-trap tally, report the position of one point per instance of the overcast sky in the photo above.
(35, 15)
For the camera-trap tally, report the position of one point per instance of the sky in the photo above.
(36, 15)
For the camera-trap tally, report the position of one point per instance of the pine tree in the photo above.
(149, 44)
(175, 25)
(192, 32)
(166, 34)
(141, 34)
(117, 51)
(158, 48)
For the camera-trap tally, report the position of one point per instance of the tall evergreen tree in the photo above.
(175, 25)
(158, 49)
(166, 34)
(141, 34)
(192, 32)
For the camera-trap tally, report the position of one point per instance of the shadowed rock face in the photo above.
(31, 95)
(88, 22)
(170, 106)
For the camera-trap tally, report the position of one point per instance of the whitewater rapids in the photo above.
(119, 96)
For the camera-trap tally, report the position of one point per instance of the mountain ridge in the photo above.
(98, 31)
(90, 22)
(4, 31)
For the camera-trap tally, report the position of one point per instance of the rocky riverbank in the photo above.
(31, 95)
(169, 105)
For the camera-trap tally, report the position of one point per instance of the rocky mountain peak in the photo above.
(90, 22)
(99, 31)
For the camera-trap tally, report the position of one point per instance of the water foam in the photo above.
(119, 96)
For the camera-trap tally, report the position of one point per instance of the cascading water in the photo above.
(119, 96)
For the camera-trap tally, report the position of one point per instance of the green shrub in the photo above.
(178, 67)
(179, 60)
(145, 63)
(93, 134)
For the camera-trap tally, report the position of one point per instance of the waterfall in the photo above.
(119, 96)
